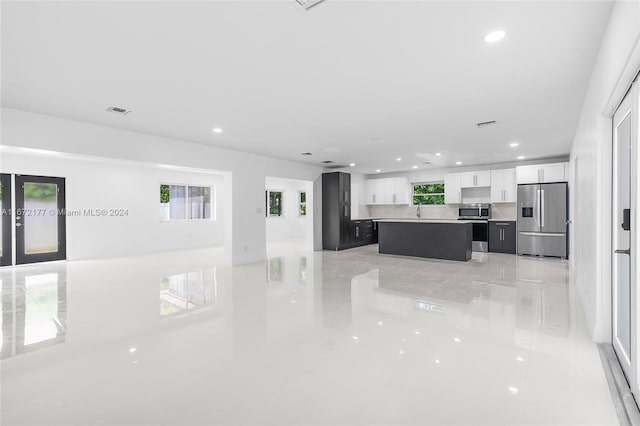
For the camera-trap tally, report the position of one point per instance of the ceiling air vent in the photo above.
(336, 166)
(486, 123)
(328, 162)
(306, 153)
(118, 110)
(308, 4)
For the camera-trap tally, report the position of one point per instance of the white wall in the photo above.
(98, 184)
(617, 63)
(290, 224)
(245, 236)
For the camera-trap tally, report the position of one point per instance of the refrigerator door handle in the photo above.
(536, 209)
(543, 234)
(542, 208)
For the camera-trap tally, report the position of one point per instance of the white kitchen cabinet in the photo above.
(387, 191)
(475, 179)
(553, 172)
(373, 191)
(541, 173)
(503, 186)
(400, 190)
(452, 188)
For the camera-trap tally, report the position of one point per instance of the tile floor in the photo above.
(323, 338)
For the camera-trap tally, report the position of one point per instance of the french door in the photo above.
(6, 253)
(624, 200)
(40, 226)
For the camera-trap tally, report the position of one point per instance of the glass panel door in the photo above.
(623, 288)
(6, 253)
(40, 219)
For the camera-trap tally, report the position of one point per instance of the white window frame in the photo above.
(212, 193)
(268, 214)
(300, 203)
(413, 193)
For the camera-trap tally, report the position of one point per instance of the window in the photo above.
(302, 203)
(428, 193)
(274, 203)
(179, 202)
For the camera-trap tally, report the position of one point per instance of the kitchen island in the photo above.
(432, 238)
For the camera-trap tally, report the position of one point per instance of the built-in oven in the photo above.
(479, 215)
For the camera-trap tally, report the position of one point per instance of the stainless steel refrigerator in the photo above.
(542, 219)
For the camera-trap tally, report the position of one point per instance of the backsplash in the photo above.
(506, 211)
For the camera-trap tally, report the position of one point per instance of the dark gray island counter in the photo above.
(437, 239)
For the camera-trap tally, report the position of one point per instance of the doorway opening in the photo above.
(288, 215)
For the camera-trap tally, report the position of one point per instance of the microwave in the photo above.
(474, 211)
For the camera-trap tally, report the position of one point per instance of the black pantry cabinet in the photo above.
(336, 211)
(502, 236)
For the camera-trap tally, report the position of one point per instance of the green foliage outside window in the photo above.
(164, 193)
(275, 203)
(302, 210)
(428, 193)
(40, 191)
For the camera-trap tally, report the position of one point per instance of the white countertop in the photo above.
(502, 220)
(409, 220)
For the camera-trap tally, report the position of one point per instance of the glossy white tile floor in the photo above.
(307, 338)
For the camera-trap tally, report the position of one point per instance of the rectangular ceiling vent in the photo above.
(327, 162)
(308, 4)
(336, 166)
(486, 123)
(118, 110)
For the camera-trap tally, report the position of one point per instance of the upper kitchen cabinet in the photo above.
(387, 191)
(475, 179)
(503, 186)
(452, 188)
(541, 173)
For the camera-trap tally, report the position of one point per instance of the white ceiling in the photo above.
(349, 81)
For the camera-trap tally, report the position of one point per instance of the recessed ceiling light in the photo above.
(521, 157)
(458, 163)
(378, 170)
(513, 144)
(494, 36)
(352, 164)
(398, 159)
(415, 167)
(437, 154)
(217, 130)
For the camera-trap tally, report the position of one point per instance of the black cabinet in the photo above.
(336, 211)
(502, 236)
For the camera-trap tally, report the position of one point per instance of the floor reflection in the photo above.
(183, 292)
(371, 336)
(34, 312)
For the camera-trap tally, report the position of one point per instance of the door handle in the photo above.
(346, 211)
(542, 206)
(627, 252)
